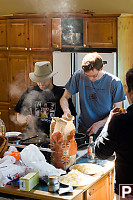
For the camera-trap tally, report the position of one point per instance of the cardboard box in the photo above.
(29, 181)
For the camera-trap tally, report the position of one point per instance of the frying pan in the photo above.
(25, 139)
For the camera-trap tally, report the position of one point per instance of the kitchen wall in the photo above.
(42, 6)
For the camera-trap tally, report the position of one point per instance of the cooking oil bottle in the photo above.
(91, 151)
(2, 127)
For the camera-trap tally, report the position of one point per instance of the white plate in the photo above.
(86, 181)
(88, 168)
(12, 134)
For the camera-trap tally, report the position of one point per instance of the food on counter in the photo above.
(74, 177)
(87, 168)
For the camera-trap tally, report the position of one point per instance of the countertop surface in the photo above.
(41, 190)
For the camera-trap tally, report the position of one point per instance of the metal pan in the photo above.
(26, 139)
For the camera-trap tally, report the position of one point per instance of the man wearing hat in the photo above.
(40, 103)
(98, 92)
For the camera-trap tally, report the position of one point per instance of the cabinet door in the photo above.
(3, 35)
(56, 33)
(111, 184)
(99, 190)
(100, 32)
(37, 57)
(40, 34)
(4, 109)
(4, 79)
(18, 34)
(18, 70)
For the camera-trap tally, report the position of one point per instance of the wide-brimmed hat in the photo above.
(42, 72)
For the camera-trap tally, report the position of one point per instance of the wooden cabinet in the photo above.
(18, 34)
(29, 34)
(103, 189)
(23, 41)
(40, 34)
(18, 75)
(100, 33)
(14, 80)
(3, 35)
(4, 78)
(5, 113)
(56, 33)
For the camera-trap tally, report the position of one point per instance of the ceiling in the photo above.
(42, 6)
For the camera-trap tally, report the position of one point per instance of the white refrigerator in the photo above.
(66, 63)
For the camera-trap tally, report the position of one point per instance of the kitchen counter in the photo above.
(101, 188)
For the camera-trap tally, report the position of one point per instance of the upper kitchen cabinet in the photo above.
(3, 35)
(29, 34)
(56, 33)
(40, 34)
(71, 32)
(85, 32)
(100, 33)
(18, 34)
(67, 33)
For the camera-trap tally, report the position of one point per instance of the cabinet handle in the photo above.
(9, 108)
(7, 48)
(30, 49)
(84, 45)
(25, 49)
(57, 46)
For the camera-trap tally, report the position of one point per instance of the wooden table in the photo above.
(101, 189)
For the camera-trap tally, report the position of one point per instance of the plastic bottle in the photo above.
(2, 127)
(91, 151)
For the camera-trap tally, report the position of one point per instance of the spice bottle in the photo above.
(53, 183)
(91, 150)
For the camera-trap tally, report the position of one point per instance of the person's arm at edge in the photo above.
(64, 102)
(104, 144)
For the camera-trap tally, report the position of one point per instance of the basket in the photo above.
(3, 145)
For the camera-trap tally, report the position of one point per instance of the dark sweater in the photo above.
(119, 139)
(44, 105)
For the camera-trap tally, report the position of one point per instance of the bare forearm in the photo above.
(64, 102)
(64, 105)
